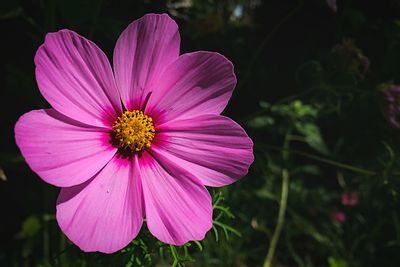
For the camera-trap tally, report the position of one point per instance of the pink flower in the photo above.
(349, 199)
(339, 216)
(141, 140)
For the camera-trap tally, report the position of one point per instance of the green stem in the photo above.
(174, 255)
(281, 218)
(63, 247)
(324, 160)
(282, 203)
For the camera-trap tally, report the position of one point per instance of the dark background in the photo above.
(280, 49)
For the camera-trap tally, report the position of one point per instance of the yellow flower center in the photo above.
(133, 131)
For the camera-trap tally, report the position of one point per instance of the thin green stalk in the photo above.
(63, 246)
(175, 255)
(282, 204)
(281, 218)
(324, 160)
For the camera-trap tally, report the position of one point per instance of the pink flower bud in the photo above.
(339, 216)
(349, 199)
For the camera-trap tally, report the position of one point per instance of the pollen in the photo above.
(133, 131)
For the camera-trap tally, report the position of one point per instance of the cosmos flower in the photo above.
(141, 140)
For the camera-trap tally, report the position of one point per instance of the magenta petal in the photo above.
(196, 83)
(178, 206)
(61, 151)
(142, 52)
(215, 149)
(105, 213)
(76, 78)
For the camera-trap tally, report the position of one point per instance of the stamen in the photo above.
(133, 131)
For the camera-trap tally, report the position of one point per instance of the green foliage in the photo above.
(145, 250)
(337, 262)
(30, 227)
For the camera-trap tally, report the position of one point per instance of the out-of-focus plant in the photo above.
(145, 250)
(310, 211)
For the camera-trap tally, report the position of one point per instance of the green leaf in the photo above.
(265, 193)
(301, 110)
(265, 104)
(333, 262)
(308, 228)
(215, 233)
(308, 169)
(30, 227)
(198, 244)
(49, 217)
(261, 121)
(313, 137)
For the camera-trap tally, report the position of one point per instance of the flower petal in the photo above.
(178, 206)
(196, 83)
(76, 78)
(61, 151)
(105, 213)
(215, 149)
(142, 52)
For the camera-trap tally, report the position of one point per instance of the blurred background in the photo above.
(317, 92)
